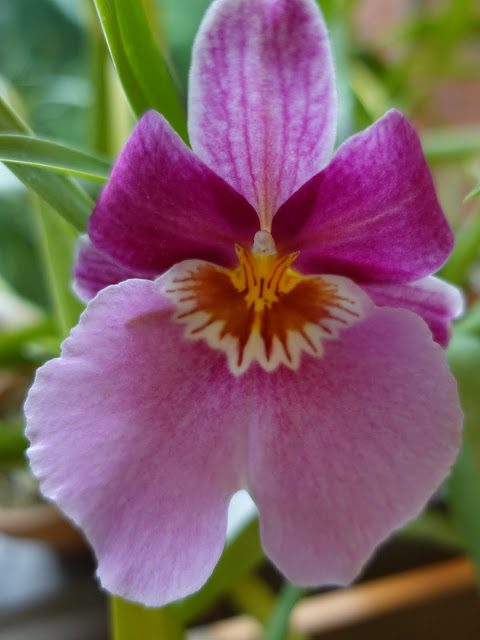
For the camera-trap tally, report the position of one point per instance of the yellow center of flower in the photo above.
(261, 311)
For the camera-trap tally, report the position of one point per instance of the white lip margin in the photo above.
(358, 306)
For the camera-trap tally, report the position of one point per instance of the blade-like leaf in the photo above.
(149, 64)
(240, 556)
(474, 193)
(142, 70)
(36, 152)
(60, 192)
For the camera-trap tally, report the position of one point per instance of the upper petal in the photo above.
(436, 301)
(351, 446)
(262, 102)
(139, 436)
(95, 270)
(372, 214)
(163, 204)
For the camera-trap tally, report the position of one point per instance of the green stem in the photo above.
(131, 621)
(277, 627)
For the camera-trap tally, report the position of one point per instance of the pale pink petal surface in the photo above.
(95, 270)
(351, 447)
(162, 205)
(262, 103)
(372, 214)
(436, 301)
(140, 437)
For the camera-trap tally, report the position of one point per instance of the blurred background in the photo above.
(421, 56)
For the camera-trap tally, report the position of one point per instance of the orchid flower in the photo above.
(258, 319)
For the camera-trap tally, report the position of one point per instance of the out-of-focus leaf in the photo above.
(465, 252)
(474, 193)
(21, 346)
(57, 242)
(464, 483)
(464, 501)
(36, 152)
(60, 192)
(448, 145)
(12, 442)
(240, 556)
(142, 69)
(464, 360)
(131, 621)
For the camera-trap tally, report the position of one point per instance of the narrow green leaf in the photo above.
(12, 442)
(464, 482)
(149, 65)
(277, 627)
(448, 145)
(240, 556)
(464, 501)
(15, 346)
(464, 360)
(465, 252)
(57, 245)
(131, 621)
(434, 527)
(107, 13)
(141, 68)
(473, 194)
(36, 152)
(60, 192)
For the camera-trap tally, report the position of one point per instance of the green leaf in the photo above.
(464, 500)
(36, 152)
(240, 556)
(464, 360)
(60, 192)
(449, 145)
(16, 345)
(142, 69)
(131, 621)
(464, 254)
(12, 442)
(464, 482)
(57, 245)
(474, 193)
(150, 65)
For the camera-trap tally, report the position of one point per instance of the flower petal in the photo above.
(95, 270)
(262, 108)
(352, 446)
(436, 301)
(139, 436)
(372, 214)
(162, 205)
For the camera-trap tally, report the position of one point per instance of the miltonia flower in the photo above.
(265, 326)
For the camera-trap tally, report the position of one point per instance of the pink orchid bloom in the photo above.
(268, 326)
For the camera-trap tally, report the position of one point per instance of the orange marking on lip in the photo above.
(260, 308)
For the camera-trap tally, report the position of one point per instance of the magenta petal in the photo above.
(140, 438)
(372, 214)
(435, 300)
(351, 446)
(95, 270)
(262, 108)
(162, 205)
